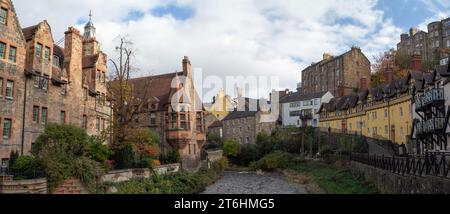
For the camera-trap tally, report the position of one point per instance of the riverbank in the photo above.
(322, 178)
(247, 182)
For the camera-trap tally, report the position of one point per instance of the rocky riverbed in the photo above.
(253, 183)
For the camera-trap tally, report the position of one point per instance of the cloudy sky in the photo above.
(238, 37)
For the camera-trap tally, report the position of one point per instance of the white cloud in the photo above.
(229, 37)
(440, 10)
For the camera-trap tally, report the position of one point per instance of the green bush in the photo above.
(25, 167)
(273, 161)
(182, 182)
(230, 148)
(171, 157)
(247, 154)
(67, 151)
(124, 157)
(88, 171)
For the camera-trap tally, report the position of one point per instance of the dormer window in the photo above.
(3, 16)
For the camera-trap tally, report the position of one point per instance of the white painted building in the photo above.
(300, 110)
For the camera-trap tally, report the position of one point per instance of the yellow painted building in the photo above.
(383, 112)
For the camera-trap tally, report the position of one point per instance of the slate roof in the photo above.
(90, 61)
(28, 32)
(58, 51)
(378, 93)
(216, 124)
(157, 87)
(248, 112)
(296, 96)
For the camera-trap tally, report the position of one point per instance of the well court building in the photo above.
(42, 82)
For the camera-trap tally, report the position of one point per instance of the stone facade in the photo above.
(61, 85)
(427, 44)
(244, 125)
(339, 75)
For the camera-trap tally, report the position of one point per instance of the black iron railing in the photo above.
(432, 164)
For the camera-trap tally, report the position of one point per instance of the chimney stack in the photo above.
(187, 67)
(416, 63)
(327, 56)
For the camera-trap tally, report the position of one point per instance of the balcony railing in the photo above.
(419, 128)
(433, 95)
(429, 97)
(434, 125)
(306, 116)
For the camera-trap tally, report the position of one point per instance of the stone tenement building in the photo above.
(339, 75)
(436, 40)
(41, 82)
(181, 125)
(244, 125)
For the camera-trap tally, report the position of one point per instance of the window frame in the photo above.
(4, 11)
(12, 57)
(7, 137)
(44, 116)
(11, 90)
(3, 52)
(35, 115)
(1, 87)
(38, 51)
(47, 53)
(63, 117)
(84, 122)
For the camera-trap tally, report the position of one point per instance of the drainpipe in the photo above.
(24, 115)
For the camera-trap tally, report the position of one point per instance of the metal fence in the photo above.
(31, 174)
(432, 164)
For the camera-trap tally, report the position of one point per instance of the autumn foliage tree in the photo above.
(390, 61)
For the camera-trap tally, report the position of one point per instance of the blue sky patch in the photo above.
(134, 15)
(405, 13)
(178, 12)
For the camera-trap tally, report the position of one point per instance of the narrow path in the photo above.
(251, 183)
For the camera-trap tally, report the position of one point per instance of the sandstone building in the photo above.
(340, 75)
(180, 124)
(42, 82)
(431, 45)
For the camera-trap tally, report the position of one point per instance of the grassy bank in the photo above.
(333, 179)
(329, 176)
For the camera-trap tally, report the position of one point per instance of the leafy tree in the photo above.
(230, 148)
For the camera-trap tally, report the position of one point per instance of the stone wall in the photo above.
(213, 156)
(118, 176)
(33, 186)
(392, 183)
(71, 186)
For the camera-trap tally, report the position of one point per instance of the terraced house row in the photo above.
(42, 82)
(382, 112)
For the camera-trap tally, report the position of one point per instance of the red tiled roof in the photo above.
(151, 87)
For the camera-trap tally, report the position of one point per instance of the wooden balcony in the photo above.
(434, 125)
(429, 98)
